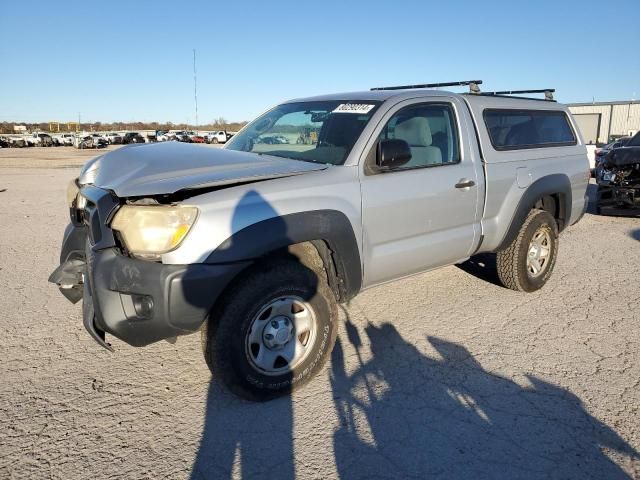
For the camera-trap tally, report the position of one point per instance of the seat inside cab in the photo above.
(429, 131)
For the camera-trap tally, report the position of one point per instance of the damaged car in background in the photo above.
(618, 177)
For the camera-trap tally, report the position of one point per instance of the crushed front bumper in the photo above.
(137, 301)
(616, 200)
(143, 302)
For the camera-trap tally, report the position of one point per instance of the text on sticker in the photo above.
(353, 108)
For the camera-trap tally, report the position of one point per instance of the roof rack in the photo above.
(548, 92)
(473, 86)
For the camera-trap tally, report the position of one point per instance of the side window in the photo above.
(518, 129)
(431, 132)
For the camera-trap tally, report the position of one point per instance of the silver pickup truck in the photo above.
(255, 244)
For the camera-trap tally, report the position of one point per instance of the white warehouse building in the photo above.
(599, 121)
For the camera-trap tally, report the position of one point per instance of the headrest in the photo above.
(415, 131)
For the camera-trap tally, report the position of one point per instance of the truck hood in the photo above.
(168, 167)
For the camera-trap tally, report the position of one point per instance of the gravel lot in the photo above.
(445, 374)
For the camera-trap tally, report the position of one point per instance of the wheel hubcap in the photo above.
(277, 333)
(281, 335)
(538, 252)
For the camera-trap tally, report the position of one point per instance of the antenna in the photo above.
(195, 86)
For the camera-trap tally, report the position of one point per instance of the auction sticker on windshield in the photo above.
(353, 108)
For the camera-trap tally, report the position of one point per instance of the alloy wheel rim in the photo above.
(539, 252)
(281, 336)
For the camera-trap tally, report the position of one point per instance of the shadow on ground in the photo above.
(406, 415)
(248, 440)
(482, 266)
(401, 414)
(592, 193)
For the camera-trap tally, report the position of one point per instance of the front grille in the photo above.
(91, 218)
(96, 215)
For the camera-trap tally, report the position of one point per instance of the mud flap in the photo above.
(69, 277)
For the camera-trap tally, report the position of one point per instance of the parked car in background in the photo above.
(113, 138)
(602, 152)
(197, 138)
(162, 136)
(64, 139)
(99, 141)
(186, 136)
(132, 137)
(17, 142)
(618, 178)
(273, 140)
(40, 140)
(83, 141)
(4, 142)
(30, 141)
(190, 134)
(219, 136)
(180, 136)
(45, 140)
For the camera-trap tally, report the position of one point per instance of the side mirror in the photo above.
(392, 154)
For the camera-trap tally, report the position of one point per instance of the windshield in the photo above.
(320, 132)
(634, 141)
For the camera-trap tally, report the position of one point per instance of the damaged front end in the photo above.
(140, 301)
(71, 276)
(127, 210)
(618, 177)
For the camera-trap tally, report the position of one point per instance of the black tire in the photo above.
(224, 336)
(597, 209)
(512, 261)
(214, 141)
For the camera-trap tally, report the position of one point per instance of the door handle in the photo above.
(464, 183)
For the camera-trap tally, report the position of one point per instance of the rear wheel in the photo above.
(214, 141)
(273, 332)
(526, 264)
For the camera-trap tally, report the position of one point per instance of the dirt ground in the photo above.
(445, 374)
(54, 157)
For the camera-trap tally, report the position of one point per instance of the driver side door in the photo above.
(418, 216)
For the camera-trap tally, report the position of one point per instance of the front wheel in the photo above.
(526, 264)
(273, 332)
(214, 141)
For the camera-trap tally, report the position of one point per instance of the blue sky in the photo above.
(124, 61)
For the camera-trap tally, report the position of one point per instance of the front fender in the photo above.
(331, 226)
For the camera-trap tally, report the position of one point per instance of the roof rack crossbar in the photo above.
(473, 86)
(548, 92)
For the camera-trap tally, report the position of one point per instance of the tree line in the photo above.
(218, 124)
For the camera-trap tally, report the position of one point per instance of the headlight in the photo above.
(72, 192)
(151, 230)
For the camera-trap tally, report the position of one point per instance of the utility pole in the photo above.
(195, 87)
